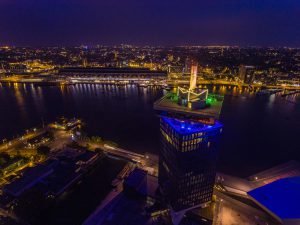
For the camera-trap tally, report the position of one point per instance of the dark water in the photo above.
(259, 131)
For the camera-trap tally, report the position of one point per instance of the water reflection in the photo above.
(271, 101)
(125, 114)
(20, 99)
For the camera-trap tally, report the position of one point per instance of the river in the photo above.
(259, 131)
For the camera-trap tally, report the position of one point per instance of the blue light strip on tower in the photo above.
(189, 127)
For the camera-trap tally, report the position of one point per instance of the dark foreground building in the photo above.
(189, 134)
(280, 199)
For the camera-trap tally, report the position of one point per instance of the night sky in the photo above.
(153, 22)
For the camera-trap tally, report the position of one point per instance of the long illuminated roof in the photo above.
(281, 197)
(111, 70)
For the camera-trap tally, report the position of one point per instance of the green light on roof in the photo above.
(211, 98)
(172, 96)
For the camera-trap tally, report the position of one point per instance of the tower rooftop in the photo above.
(169, 104)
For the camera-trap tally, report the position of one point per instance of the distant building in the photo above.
(189, 134)
(18, 68)
(113, 73)
(246, 74)
(175, 72)
(175, 69)
(84, 62)
(187, 65)
(2, 69)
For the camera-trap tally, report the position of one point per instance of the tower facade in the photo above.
(190, 133)
(187, 166)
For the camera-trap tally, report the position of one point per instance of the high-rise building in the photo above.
(242, 73)
(246, 74)
(187, 65)
(187, 161)
(190, 131)
(85, 62)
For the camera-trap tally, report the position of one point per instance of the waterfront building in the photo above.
(17, 68)
(190, 131)
(246, 74)
(112, 74)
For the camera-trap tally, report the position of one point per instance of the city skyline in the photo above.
(149, 112)
(235, 23)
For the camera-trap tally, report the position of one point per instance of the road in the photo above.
(232, 212)
(147, 162)
(132, 156)
(19, 141)
(61, 139)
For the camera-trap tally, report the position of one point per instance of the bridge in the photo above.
(129, 155)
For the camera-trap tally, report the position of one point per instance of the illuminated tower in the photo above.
(85, 62)
(193, 79)
(189, 133)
